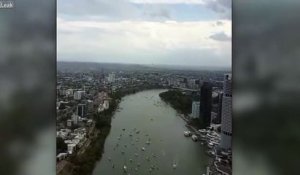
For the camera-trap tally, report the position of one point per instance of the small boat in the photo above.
(137, 132)
(138, 164)
(130, 160)
(148, 142)
(194, 138)
(136, 154)
(109, 159)
(187, 133)
(143, 148)
(174, 165)
(125, 168)
(123, 129)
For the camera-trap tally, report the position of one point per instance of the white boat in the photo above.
(143, 148)
(174, 165)
(125, 168)
(187, 133)
(194, 138)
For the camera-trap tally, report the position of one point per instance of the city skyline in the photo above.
(181, 32)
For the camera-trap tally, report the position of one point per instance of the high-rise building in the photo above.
(205, 103)
(81, 110)
(195, 109)
(219, 114)
(226, 122)
(75, 119)
(78, 95)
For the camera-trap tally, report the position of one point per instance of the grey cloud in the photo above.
(220, 37)
(160, 13)
(109, 10)
(219, 23)
(117, 9)
(223, 7)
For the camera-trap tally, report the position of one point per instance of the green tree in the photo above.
(61, 146)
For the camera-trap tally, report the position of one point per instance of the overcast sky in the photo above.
(174, 32)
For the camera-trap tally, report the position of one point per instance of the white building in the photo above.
(111, 78)
(75, 119)
(226, 122)
(195, 109)
(69, 123)
(71, 148)
(78, 95)
(69, 92)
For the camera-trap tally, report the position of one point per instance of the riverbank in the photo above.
(84, 163)
(179, 101)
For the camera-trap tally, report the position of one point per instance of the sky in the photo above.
(168, 32)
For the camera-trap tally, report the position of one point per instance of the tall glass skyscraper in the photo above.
(226, 121)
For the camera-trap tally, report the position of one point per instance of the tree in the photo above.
(61, 146)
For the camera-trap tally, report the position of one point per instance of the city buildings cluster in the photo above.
(81, 94)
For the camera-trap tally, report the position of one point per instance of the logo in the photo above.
(7, 4)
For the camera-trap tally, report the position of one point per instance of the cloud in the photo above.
(221, 36)
(142, 31)
(158, 13)
(140, 41)
(219, 23)
(223, 7)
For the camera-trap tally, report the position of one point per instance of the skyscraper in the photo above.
(81, 110)
(205, 103)
(226, 128)
(195, 109)
(219, 114)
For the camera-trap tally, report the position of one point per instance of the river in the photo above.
(143, 117)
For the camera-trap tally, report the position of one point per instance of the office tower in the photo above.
(219, 114)
(81, 110)
(205, 103)
(226, 127)
(195, 109)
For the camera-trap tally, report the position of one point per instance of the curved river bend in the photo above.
(154, 125)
